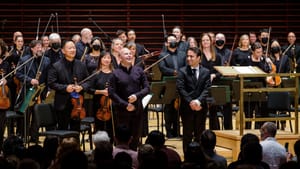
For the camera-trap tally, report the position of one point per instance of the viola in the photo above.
(78, 110)
(104, 112)
(4, 99)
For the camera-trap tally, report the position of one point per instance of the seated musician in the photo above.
(32, 74)
(260, 107)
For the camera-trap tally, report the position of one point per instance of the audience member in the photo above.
(157, 140)
(123, 160)
(273, 152)
(74, 159)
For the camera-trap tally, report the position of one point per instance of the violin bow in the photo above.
(230, 56)
(38, 29)
(50, 18)
(106, 35)
(56, 17)
(164, 27)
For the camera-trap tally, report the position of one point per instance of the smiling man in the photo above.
(128, 86)
(193, 83)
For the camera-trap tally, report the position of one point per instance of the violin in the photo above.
(78, 110)
(104, 112)
(4, 99)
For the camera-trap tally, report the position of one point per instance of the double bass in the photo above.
(104, 111)
(4, 99)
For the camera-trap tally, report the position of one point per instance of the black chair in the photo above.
(86, 127)
(156, 102)
(280, 103)
(45, 117)
(11, 116)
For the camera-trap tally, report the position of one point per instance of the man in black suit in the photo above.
(61, 78)
(193, 83)
(169, 67)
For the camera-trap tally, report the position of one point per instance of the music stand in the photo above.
(157, 91)
(171, 94)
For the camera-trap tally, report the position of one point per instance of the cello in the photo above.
(104, 111)
(4, 99)
(78, 110)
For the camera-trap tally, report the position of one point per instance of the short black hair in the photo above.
(123, 133)
(155, 138)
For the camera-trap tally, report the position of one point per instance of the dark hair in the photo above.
(33, 43)
(120, 32)
(249, 138)
(208, 139)
(195, 50)
(74, 159)
(252, 153)
(102, 54)
(155, 138)
(102, 45)
(123, 160)
(123, 133)
(166, 39)
(297, 148)
(65, 42)
(256, 45)
(13, 145)
(3, 47)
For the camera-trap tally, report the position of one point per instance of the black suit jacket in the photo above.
(167, 66)
(59, 79)
(190, 88)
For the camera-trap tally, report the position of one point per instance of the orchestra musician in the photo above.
(210, 59)
(242, 52)
(136, 59)
(260, 107)
(225, 55)
(127, 87)
(54, 53)
(131, 37)
(116, 46)
(169, 67)
(5, 68)
(61, 78)
(193, 83)
(281, 61)
(293, 53)
(32, 74)
(83, 46)
(99, 89)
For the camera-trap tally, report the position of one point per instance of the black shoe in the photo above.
(169, 135)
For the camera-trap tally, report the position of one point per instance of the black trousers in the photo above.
(171, 120)
(2, 126)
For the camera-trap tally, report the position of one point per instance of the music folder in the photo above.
(236, 70)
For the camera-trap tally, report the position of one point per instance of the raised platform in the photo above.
(231, 139)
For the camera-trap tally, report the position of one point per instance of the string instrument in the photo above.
(78, 110)
(4, 99)
(147, 56)
(104, 112)
(272, 80)
(230, 56)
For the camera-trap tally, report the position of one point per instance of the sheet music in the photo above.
(146, 100)
(245, 70)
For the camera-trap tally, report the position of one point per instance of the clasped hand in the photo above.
(74, 88)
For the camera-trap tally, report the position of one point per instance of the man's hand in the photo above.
(132, 98)
(77, 88)
(130, 107)
(70, 88)
(34, 82)
(195, 105)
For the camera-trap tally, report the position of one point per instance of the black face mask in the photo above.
(96, 47)
(275, 49)
(264, 40)
(220, 42)
(55, 46)
(173, 45)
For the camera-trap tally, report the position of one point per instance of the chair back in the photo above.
(220, 94)
(279, 101)
(44, 115)
(171, 92)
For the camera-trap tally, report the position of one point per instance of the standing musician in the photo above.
(281, 61)
(169, 67)
(193, 83)
(101, 101)
(136, 59)
(5, 68)
(225, 55)
(61, 78)
(33, 74)
(128, 85)
(293, 53)
(209, 59)
(83, 46)
(241, 53)
(256, 59)
(131, 37)
(264, 39)
(54, 53)
(116, 46)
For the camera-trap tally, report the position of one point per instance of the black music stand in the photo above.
(171, 94)
(156, 102)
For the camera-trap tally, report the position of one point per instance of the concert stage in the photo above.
(230, 139)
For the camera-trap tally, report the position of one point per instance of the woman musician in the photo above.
(5, 68)
(98, 88)
(281, 61)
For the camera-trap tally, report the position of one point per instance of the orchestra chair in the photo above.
(45, 117)
(156, 102)
(86, 127)
(11, 116)
(219, 95)
(279, 102)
